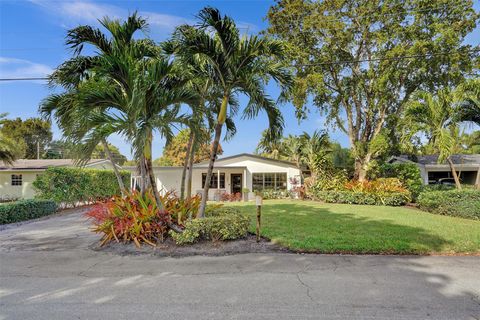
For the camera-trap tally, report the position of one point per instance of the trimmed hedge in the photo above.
(219, 224)
(71, 186)
(351, 197)
(459, 203)
(25, 210)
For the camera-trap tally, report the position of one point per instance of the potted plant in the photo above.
(245, 192)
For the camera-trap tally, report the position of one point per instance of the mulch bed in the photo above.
(204, 248)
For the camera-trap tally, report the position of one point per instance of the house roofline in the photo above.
(251, 156)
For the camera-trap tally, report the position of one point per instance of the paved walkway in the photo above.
(48, 272)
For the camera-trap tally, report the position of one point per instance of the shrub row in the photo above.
(407, 173)
(219, 224)
(71, 186)
(460, 203)
(351, 197)
(25, 210)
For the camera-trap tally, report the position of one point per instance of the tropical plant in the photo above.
(133, 90)
(315, 152)
(433, 116)
(236, 65)
(269, 148)
(468, 94)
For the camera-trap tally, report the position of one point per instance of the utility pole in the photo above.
(38, 150)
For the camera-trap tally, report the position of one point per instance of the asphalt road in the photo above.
(47, 271)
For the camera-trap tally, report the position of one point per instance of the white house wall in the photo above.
(25, 191)
(255, 165)
(169, 178)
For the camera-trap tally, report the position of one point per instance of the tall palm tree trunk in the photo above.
(454, 173)
(151, 177)
(185, 164)
(191, 157)
(213, 155)
(143, 176)
(115, 169)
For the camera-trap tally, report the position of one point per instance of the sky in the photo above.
(32, 37)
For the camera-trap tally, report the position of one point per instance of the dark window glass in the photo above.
(16, 180)
(281, 183)
(257, 181)
(214, 180)
(269, 179)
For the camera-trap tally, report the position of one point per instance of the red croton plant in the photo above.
(136, 218)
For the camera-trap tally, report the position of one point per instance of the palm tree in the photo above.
(434, 117)
(469, 108)
(292, 147)
(314, 152)
(76, 122)
(134, 89)
(468, 94)
(236, 65)
(269, 148)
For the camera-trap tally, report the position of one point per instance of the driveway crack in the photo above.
(307, 287)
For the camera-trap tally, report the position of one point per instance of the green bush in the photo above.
(220, 223)
(460, 203)
(25, 210)
(407, 173)
(351, 197)
(77, 185)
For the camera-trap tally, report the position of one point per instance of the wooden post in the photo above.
(259, 200)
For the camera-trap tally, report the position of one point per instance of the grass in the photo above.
(309, 226)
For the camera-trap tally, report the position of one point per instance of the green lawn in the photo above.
(339, 228)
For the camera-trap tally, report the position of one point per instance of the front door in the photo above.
(236, 183)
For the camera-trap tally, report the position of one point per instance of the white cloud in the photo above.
(164, 20)
(71, 13)
(247, 27)
(20, 68)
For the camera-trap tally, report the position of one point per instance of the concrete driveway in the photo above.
(47, 271)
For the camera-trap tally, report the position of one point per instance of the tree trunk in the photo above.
(360, 173)
(185, 164)
(143, 176)
(115, 169)
(454, 173)
(149, 170)
(191, 157)
(213, 155)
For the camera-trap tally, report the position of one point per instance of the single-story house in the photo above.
(230, 175)
(16, 179)
(467, 167)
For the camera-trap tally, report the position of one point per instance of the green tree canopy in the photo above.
(30, 135)
(361, 61)
(174, 153)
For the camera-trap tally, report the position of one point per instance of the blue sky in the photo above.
(32, 44)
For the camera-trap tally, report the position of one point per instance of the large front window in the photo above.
(275, 181)
(214, 180)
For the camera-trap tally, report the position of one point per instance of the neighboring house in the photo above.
(466, 165)
(230, 175)
(16, 179)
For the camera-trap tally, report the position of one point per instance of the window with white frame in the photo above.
(269, 180)
(16, 180)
